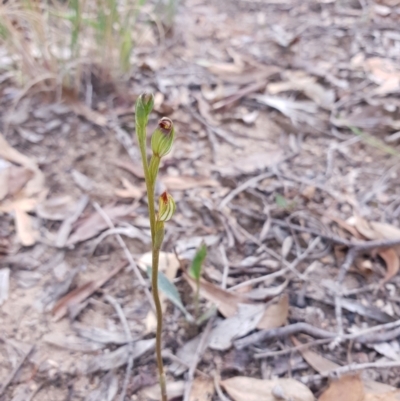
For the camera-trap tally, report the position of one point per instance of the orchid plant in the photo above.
(161, 144)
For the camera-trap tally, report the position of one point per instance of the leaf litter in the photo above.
(287, 120)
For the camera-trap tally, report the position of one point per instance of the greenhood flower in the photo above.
(166, 207)
(163, 137)
(144, 106)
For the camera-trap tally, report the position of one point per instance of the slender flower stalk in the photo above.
(161, 143)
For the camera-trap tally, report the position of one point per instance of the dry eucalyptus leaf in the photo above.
(168, 263)
(106, 390)
(100, 335)
(391, 396)
(119, 357)
(57, 208)
(226, 302)
(245, 320)
(275, 315)
(27, 234)
(184, 182)
(174, 390)
(347, 388)
(251, 164)
(392, 262)
(72, 342)
(92, 225)
(130, 190)
(242, 388)
(202, 389)
(316, 361)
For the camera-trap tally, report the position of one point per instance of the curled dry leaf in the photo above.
(391, 396)
(374, 231)
(347, 388)
(392, 263)
(242, 388)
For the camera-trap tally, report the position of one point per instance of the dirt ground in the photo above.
(285, 164)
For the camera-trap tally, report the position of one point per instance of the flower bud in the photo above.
(166, 207)
(163, 137)
(144, 106)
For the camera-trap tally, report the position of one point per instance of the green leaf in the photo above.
(170, 291)
(197, 263)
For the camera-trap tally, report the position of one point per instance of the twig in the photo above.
(66, 225)
(196, 358)
(129, 340)
(366, 336)
(351, 368)
(217, 131)
(127, 254)
(225, 261)
(243, 187)
(169, 355)
(257, 280)
(15, 370)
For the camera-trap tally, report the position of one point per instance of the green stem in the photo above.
(150, 184)
(154, 282)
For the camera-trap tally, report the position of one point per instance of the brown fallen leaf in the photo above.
(316, 361)
(374, 231)
(275, 315)
(202, 389)
(347, 388)
(226, 302)
(84, 291)
(182, 183)
(27, 234)
(242, 388)
(392, 263)
(13, 179)
(36, 184)
(92, 225)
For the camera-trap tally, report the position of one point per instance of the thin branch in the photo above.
(351, 368)
(15, 370)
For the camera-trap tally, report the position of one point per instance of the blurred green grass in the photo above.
(55, 41)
